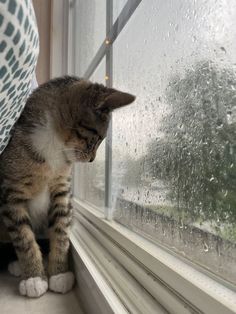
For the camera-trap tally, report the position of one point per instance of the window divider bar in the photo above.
(109, 83)
(113, 33)
(123, 18)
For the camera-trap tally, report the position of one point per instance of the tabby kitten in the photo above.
(64, 121)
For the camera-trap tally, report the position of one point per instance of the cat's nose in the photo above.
(92, 159)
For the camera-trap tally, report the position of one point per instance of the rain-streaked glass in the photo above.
(90, 31)
(174, 150)
(90, 177)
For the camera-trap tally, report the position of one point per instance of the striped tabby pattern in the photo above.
(64, 121)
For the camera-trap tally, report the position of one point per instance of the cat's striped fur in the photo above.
(64, 121)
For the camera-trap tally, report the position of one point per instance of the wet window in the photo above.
(90, 183)
(90, 31)
(174, 149)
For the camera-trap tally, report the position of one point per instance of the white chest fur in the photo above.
(47, 143)
(38, 209)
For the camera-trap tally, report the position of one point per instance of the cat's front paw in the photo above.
(62, 283)
(33, 287)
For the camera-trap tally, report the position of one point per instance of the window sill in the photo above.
(174, 284)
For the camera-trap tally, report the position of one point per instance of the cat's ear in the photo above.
(116, 99)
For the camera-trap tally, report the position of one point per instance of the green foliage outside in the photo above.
(196, 157)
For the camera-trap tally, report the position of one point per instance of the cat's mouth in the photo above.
(84, 156)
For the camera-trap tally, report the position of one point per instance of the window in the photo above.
(118, 5)
(90, 19)
(168, 171)
(91, 176)
(174, 151)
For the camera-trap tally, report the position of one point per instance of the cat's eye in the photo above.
(90, 129)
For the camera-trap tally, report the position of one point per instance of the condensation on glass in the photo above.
(90, 31)
(90, 177)
(174, 150)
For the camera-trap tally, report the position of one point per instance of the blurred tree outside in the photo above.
(196, 157)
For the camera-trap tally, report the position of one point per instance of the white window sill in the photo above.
(171, 282)
(12, 302)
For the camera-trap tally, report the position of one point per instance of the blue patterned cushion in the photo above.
(19, 45)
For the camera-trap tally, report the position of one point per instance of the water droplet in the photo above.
(223, 49)
(212, 179)
(205, 247)
(176, 27)
(229, 117)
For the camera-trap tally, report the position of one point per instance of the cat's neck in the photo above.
(48, 145)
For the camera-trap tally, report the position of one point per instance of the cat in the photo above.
(64, 121)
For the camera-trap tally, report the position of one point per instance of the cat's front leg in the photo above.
(17, 221)
(60, 278)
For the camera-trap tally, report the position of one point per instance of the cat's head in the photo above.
(85, 116)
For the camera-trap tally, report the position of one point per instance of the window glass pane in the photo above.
(117, 8)
(90, 25)
(174, 150)
(90, 177)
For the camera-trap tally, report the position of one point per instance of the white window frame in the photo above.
(173, 283)
(117, 270)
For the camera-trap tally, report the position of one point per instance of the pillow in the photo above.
(19, 48)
